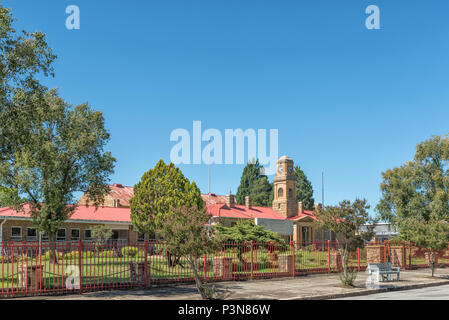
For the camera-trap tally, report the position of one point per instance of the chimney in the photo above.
(300, 207)
(116, 203)
(230, 200)
(248, 202)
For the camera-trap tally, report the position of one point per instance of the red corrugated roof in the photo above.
(122, 193)
(82, 213)
(242, 212)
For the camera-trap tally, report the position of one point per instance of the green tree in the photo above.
(64, 154)
(346, 220)
(159, 191)
(262, 192)
(432, 234)
(304, 189)
(101, 234)
(254, 184)
(243, 232)
(415, 196)
(23, 57)
(185, 235)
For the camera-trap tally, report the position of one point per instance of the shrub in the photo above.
(71, 255)
(130, 251)
(107, 254)
(46, 256)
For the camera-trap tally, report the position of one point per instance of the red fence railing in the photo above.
(76, 267)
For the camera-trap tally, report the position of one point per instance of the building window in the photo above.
(16, 233)
(44, 237)
(280, 193)
(31, 234)
(290, 193)
(61, 235)
(141, 237)
(88, 234)
(75, 234)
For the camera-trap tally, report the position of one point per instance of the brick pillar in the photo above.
(222, 267)
(285, 263)
(429, 260)
(375, 254)
(397, 258)
(30, 277)
(335, 260)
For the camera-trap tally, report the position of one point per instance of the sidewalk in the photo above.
(301, 287)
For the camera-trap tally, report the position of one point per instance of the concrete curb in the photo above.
(373, 291)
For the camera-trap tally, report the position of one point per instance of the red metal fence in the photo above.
(75, 267)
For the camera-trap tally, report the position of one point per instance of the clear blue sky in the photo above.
(348, 101)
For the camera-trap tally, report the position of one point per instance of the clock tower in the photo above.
(284, 201)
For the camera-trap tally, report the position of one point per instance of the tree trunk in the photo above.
(53, 256)
(198, 282)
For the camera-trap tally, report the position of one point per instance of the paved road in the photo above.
(431, 293)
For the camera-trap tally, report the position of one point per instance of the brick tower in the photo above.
(284, 201)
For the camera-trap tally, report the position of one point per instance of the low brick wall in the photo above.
(285, 263)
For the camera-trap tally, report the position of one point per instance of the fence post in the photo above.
(385, 251)
(410, 254)
(145, 263)
(80, 266)
(205, 269)
(358, 259)
(292, 244)
(251, 259)
(328, 256)
(404, 261)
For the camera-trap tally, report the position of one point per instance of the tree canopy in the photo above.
(63, 154)
(247, 230)
(415, 196)
(304, 189)
(255, 185)
(160, 191)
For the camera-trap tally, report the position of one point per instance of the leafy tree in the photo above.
(101, 234)
(431, 234)
(63, 154)
(23, 58)
(250, 185)
(419, 191)
(245, 231)
(186, 236)
(304, 189)
(262, 192)
(346, 220)
(161, 190)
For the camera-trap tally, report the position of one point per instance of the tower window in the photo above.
(280, 193)
(290, 193)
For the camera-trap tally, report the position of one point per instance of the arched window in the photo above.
(280, 193)
(290, 193)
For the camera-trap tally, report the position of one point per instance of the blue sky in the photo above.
(346, 100)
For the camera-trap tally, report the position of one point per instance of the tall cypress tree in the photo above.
(254, 184)
(304, 189)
